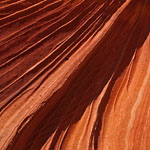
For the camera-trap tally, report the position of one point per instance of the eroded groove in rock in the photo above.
(74, 74)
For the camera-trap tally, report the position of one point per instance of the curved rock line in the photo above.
(74, 74)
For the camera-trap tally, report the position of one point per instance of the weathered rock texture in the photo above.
(75, 74)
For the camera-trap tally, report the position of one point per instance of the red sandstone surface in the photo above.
(75, 74)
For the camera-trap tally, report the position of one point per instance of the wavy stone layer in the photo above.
(75, 74)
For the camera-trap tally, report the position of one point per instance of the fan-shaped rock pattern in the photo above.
(75, 74)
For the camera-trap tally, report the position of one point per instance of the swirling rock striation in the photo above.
(75, 74)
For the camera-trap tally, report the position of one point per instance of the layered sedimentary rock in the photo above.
(75, 74)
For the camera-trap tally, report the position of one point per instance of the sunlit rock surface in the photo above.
(75, 74)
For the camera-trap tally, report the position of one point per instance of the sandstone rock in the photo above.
(75, 75)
